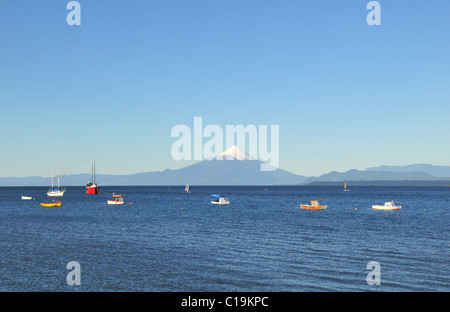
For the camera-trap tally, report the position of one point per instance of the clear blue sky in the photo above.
(345, 94)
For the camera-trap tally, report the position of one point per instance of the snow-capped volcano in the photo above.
(233, 153)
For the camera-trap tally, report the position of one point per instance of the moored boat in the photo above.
(91, 187)
(221, 200)
(56, 191)
(387, 206)
(54, 204)
(26, 198)
(315, 205)
(116, 201)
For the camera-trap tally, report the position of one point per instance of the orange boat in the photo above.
(118, 195)
(54, 204)
(315, 205)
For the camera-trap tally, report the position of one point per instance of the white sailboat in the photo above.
(186, 189)
(56, 192)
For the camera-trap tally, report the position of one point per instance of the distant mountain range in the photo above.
(232, 167)
(357, 175)
(239, 169)
(437, 171)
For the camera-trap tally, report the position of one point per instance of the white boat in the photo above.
(27, 198)
(221, 200)
(56, 192)
(116, 201)
(387, 206)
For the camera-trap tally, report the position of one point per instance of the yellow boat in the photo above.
(54, 204)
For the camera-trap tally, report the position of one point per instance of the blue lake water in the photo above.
(262, 242)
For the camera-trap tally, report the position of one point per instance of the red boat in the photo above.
(315, 205)
(91, 187)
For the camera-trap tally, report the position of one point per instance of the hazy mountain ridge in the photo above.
(437, 171)
(241, 170)
(357, 175)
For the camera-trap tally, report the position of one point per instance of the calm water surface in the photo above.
(169, 241)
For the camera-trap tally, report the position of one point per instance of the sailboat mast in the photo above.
(58, 174)
(94, 171)
(52, 178)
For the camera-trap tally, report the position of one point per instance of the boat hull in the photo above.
(55, 193)
(313, 207)
(55, 204)
(379, 207)
(92, 190)
(219, 203)
(115, 202)
(26, 198)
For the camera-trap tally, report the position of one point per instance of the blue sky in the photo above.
(345, 94)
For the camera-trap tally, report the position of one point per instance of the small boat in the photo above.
(27, 198)
(91, 187)
(58, 191)
(118, 195)
(315, 205)
(345, 187)
(116, 201)
(186, 189)
(387, 206)
(54, 204)
(221, 200)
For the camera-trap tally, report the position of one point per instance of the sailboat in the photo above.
(345, 187)
(186, 189)
(56, 192)
(91, 187)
